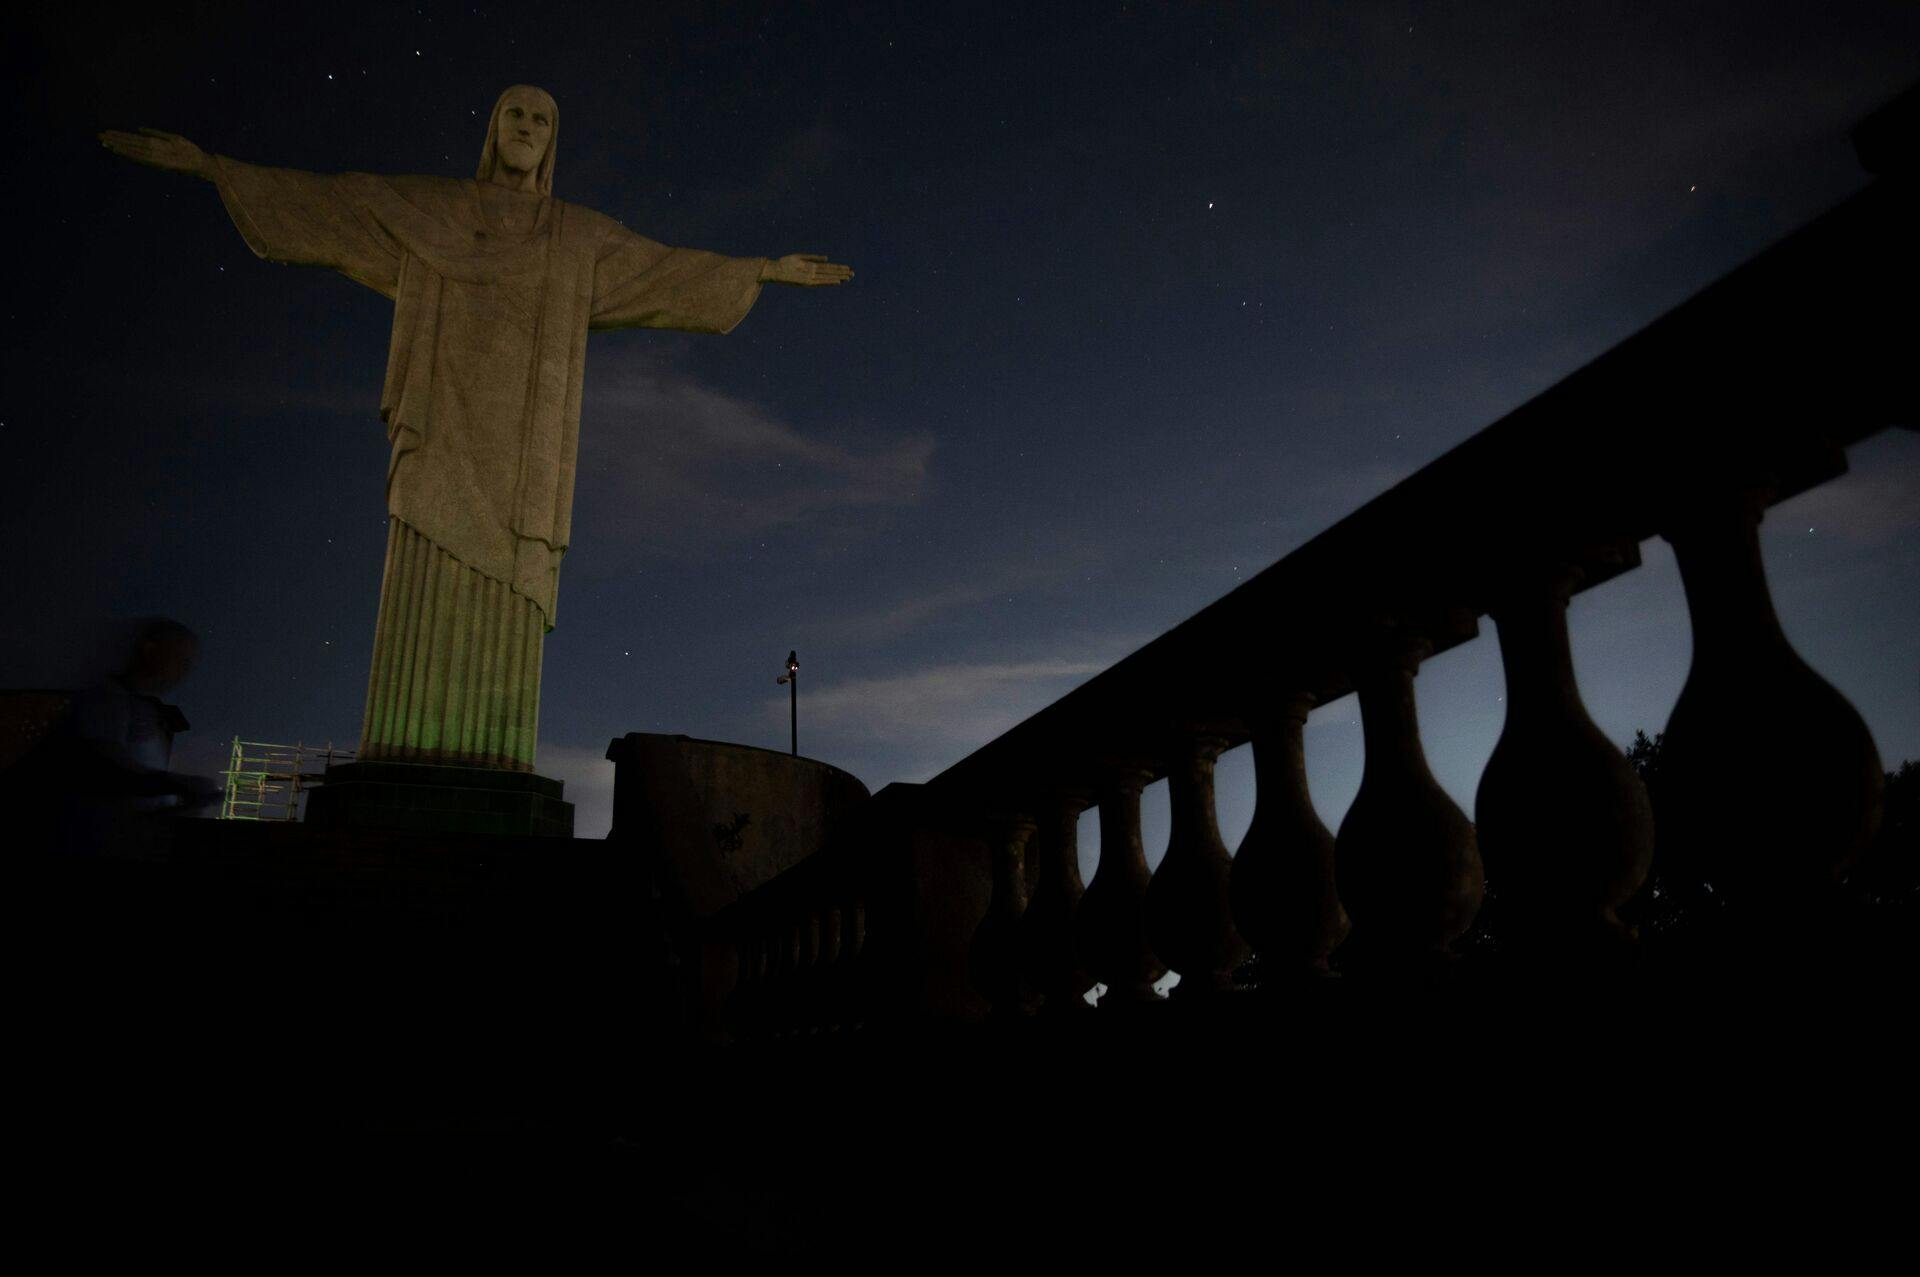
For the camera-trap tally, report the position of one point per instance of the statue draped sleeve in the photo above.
(640, 284)
(310, 219)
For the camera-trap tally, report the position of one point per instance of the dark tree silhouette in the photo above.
(1665, 900)
(1889, 874)
(1887, 878)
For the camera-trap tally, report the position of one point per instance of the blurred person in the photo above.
(99, 783)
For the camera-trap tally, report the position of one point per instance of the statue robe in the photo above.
(492, 307)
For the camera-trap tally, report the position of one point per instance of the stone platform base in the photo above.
(432, 799)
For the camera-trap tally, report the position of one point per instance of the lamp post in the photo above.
(792, 679)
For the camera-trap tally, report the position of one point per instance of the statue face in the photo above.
(522, 131)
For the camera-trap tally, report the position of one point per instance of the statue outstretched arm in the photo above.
(641, 284)
(285, 215)
(638, 283)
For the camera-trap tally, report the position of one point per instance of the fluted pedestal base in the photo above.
(456, 663)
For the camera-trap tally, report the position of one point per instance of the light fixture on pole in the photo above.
(792, 679)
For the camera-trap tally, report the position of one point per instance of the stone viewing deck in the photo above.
(308, 1008)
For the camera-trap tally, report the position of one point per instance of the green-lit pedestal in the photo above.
(429, 798)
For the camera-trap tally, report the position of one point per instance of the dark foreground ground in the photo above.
(335, 1038)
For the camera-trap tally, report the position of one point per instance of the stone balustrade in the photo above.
(962, 899)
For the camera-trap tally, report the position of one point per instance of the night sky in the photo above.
(1146, 296)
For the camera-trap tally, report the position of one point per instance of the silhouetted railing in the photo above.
(266, 782)
(965, 894)
(875, 927)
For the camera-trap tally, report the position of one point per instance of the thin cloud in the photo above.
(914, 610)
(942, 711)
(912, 725)
(910, 614)
(1877, 501)
(689, 466)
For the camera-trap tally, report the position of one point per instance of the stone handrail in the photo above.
(1746, 394)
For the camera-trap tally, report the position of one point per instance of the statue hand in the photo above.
(158, 149)
(808, 270)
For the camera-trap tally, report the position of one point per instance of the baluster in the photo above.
(1408, 867)
(856, 926)
(1770, 785)
(1284, 898)
(993, 960)
(1049, 960)
(855, 981)
(766, 999)
(785, 989)
(1564, 823)
(830, 976)
(767, 980)
(807, 1000)
(1111, 929)
(830, 935)
(742, 1007)
(1189, 919)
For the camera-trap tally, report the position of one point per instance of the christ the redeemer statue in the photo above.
(495, 286)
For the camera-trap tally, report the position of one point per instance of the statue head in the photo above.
(522, 134)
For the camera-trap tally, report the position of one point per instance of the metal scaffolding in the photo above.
(264, 782)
